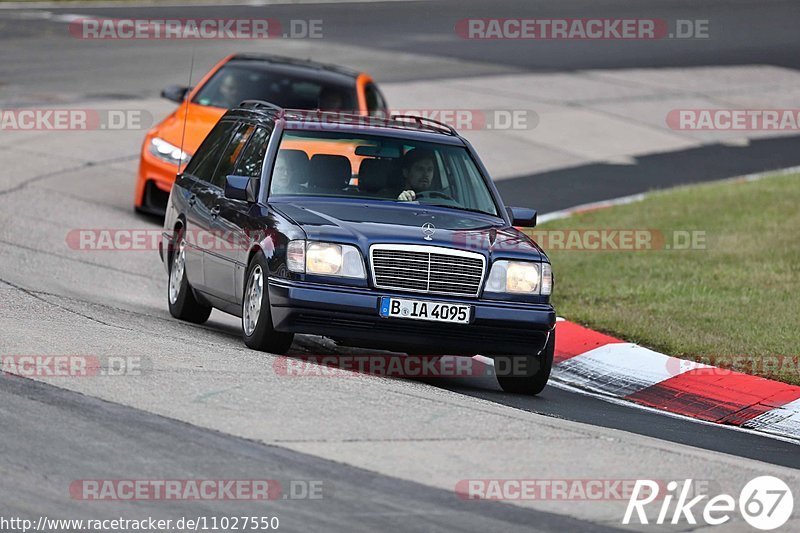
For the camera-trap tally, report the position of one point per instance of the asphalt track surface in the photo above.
(92, 434)
(55, 302)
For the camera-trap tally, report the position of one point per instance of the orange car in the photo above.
(289, 83)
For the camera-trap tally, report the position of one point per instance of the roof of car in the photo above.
(404, 126)
(300, 67)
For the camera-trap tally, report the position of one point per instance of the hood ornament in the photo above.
(428, 230)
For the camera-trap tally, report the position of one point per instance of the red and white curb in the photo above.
(592, 361)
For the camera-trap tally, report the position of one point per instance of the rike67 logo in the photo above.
(765, 503)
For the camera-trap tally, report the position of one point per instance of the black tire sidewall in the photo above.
(534, 383)
(177, 309)
(264, 337)
(186, 306)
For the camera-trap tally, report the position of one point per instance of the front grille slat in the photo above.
(442, 282)
(423, 272)
(404, 259)
(457, 275)
(427, 269)
(392, 279)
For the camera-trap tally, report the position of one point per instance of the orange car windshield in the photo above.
(342, 164)
(236, 82)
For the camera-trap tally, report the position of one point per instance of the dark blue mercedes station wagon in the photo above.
(377, 233)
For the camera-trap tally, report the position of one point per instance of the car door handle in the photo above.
(192, 200)
(215, 211)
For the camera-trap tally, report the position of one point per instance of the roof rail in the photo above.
(397, 121)
(429, 122)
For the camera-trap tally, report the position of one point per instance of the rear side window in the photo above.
(376, 104)
(231, 154)
(205, 160)
(252, 160)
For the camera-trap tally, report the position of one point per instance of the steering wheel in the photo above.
(434, 194)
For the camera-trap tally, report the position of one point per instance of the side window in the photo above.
(376, 105)
(206, 158)
(231, 154)
(252, 160)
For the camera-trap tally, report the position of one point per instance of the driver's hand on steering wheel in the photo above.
(407, 196)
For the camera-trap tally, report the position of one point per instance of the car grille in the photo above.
(429, 269)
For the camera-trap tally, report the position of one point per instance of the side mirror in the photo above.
(175, 93)
(522, 216)
(238, 188)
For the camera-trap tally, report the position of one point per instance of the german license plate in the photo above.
(425, 310)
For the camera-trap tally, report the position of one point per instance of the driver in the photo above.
(281, 177)
(230, 90)
(330, 100)
(418, 170)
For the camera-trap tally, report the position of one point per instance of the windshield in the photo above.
(382, 168)
(234, 83)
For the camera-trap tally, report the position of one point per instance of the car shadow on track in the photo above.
(309, 352)
(555, 401)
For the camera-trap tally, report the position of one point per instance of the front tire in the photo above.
(257, 327)
(536, 369)
(182, 302)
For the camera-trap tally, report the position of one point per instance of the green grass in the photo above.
(735, 303)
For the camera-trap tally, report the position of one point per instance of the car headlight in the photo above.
(326, 259)
(167, 152)
(520, 277)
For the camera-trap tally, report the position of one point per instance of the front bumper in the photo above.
(154, 182)
(350, 316)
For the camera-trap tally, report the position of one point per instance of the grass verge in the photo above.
(732, 299)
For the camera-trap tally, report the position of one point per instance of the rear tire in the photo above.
(538, 367)
(182, 302)
(257, 328)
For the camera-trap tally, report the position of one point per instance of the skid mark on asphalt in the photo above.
(47, 175)
(305, 343)
(67, 258)
(33, 294)
(42, 296)
(205, 396)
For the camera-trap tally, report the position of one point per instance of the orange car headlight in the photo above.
(167, 152)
